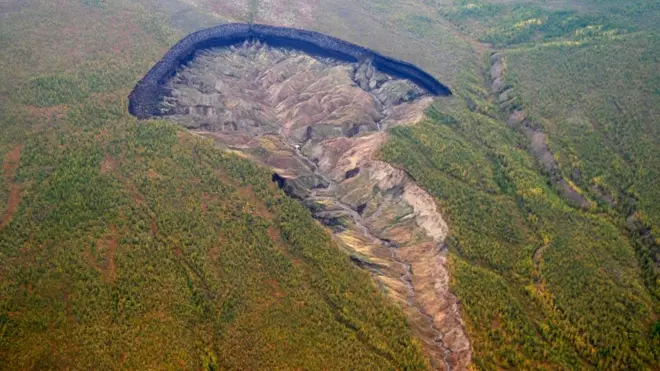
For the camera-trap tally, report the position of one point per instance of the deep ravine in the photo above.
(318, 123)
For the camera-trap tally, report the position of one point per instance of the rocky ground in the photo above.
(319, 123)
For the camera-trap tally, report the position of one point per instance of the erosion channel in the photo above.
(318, 121)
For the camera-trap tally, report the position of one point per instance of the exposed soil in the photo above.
(11, 162)
(144, 100)
(103, 259)
(318, 124)
(10, 165)
(108, 164)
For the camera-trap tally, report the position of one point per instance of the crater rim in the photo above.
(145, 98)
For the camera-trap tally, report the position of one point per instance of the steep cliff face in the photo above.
(144, 99)
(318, 123)
(393, 228)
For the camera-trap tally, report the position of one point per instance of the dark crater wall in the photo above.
(144, 100)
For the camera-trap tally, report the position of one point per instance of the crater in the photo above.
(315, 109)
(145, 98)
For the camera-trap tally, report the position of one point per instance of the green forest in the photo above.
(543, 282)
(138, 245)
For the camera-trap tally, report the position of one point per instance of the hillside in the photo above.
(138, 244)
(545, 174)
(317, 122)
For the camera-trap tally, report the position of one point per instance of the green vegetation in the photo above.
(400, 28)
(504, 25)
(600, 109)
(540, 281)
(137, 245)
(127, 239)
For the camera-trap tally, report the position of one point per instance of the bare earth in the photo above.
(10, 166)
(318, 124)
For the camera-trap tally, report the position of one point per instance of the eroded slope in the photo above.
(318, 122)
(137, 246)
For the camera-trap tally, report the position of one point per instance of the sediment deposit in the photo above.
(318, 120)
